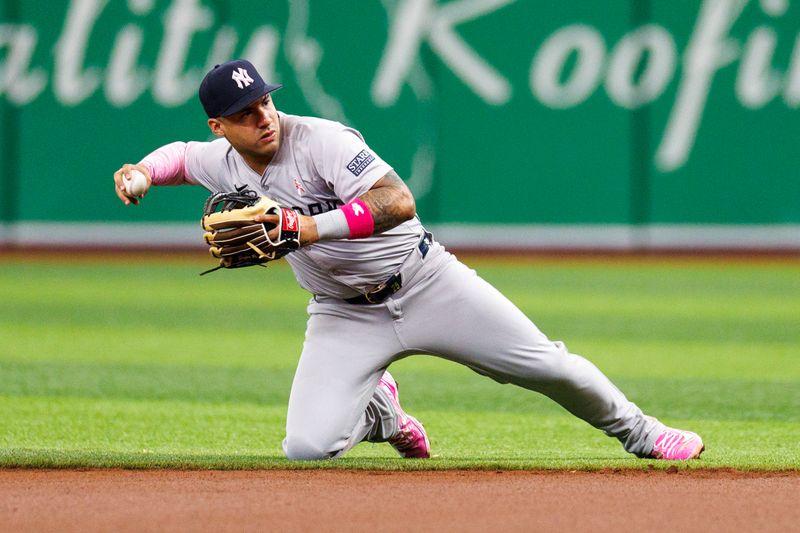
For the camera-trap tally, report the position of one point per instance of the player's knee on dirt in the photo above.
(302, 448)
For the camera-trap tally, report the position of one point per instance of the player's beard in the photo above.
(268, 150)
(258, 152)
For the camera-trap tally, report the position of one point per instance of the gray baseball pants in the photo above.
(448, 311)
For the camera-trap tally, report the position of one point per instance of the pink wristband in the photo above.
(359, 219)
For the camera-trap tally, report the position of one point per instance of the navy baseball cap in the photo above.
(230, 87)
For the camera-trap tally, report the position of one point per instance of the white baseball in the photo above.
(135, 183)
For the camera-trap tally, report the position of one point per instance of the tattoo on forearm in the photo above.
(388, 204)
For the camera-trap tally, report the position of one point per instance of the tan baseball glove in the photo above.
(237, 239)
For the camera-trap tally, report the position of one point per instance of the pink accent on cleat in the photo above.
(410, 440)
(677, 445)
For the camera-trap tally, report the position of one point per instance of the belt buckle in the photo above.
(394, 286)
(376, 290)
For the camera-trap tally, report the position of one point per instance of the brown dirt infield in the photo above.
(325, 500)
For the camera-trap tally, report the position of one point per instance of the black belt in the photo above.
(391, 285)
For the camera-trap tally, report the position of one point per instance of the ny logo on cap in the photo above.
(242, 78)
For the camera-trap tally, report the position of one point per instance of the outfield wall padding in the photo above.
(610, 114)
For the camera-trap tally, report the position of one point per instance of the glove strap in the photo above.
(290, 225)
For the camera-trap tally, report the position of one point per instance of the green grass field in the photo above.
(111, 363)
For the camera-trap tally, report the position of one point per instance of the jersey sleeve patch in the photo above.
(360, 162)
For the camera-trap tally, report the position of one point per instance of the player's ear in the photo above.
(216, 127)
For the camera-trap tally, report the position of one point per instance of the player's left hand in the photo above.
(240, 234)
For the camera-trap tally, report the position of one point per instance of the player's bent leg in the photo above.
(493, 337)
(384, 420)
(333, 404)
(320, 428)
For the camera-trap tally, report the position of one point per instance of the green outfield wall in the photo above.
(613, 114)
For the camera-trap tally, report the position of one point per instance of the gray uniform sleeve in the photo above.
(345, 162)
(204, 162)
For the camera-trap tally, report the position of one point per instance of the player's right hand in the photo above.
(119, 185)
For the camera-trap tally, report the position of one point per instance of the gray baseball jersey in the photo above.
(443, 308)
(320, 166)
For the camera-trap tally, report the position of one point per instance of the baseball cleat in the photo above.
(410, 441)
(677, 445)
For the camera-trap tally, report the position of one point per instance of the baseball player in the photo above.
(382, 287)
